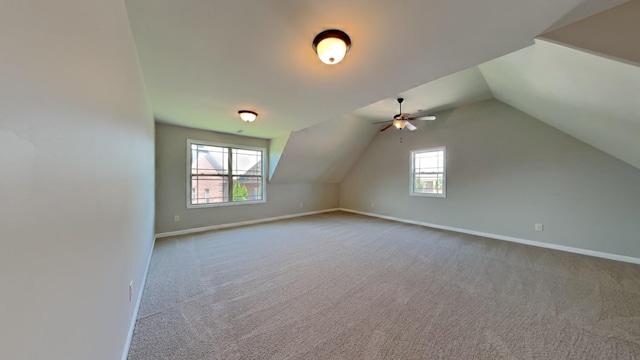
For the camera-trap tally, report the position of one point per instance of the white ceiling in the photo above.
(464, 87)
(592, 98)
(326, 151)
(204, 60)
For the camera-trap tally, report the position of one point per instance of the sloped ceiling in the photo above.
(585, 9)
(203, 61)
(590, 97)
(612, 33)
(324, 152)
(464, 87)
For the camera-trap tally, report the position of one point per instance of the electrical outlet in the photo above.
(130, 290)
(373, 205)
(176, 218)
(301, 204)
(539, 227)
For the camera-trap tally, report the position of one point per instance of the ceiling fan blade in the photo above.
(386, 127)
(410, 126)
(382, 122)
(430, 117)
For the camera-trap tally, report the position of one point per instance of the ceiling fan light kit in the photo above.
(248, 115)
(402, 120)
(331, 46)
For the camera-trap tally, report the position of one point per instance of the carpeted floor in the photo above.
(344, 286)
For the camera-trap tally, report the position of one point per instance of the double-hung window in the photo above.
(220, 174)
(428, 172)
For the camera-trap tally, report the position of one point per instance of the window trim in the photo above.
(230, 203)
(444, 172)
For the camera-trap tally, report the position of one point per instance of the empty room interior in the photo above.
(306, 179)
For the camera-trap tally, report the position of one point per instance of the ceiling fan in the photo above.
(401, 120)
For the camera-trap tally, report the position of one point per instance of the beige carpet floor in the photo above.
(344, 286)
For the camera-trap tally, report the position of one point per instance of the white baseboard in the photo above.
(132, 326)
(241, 223)
(570, 249)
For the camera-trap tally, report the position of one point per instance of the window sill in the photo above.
(211, 205)
(442, 196)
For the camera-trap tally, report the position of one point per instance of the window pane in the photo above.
(224, 174)
(432, 161)
(428, 172)
(209, 189)
(247, 188)
(247, 162)
(209, 160)
(428, 183)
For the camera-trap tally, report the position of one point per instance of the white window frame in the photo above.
(190, 205)
(444, 172)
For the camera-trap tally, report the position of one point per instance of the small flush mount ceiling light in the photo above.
(331, 46)
(248, 115)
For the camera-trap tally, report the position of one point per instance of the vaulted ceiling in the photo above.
(203, 61)
(592, 98)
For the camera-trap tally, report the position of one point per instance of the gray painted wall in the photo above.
(506, 171)
(171, 182)
(76, 185)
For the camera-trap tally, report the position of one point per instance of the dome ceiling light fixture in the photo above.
(248, 115)
(331, 46)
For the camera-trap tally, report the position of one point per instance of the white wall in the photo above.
(171, 186)
(506, 171)
(76, 179)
